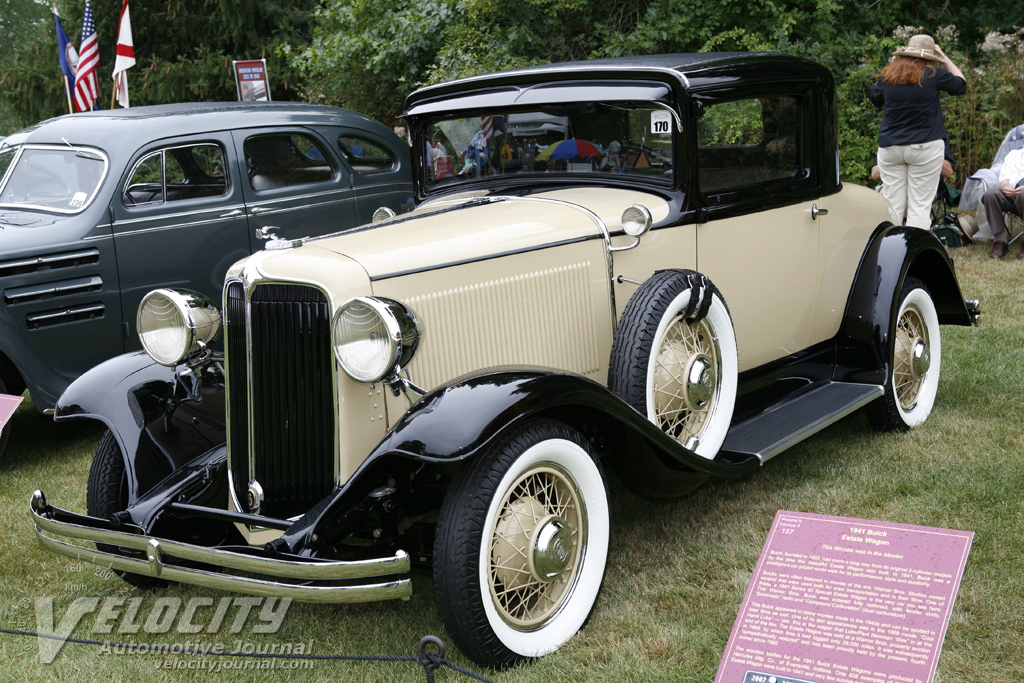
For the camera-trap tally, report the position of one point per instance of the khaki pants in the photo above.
(910, 178)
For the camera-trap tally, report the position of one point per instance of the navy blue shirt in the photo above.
(912, 112)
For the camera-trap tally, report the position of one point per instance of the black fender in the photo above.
(863, 344)
(456, 421)
(161, 417)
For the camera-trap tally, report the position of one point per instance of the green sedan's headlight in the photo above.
(374, 338)
(175, 325)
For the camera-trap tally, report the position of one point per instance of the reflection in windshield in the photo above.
(54, 178)
(592, 138)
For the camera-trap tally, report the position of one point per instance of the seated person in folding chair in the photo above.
(1008, 197)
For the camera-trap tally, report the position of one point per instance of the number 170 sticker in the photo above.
(661, 122)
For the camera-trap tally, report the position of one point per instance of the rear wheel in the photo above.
(106, 494)
(521, 545)
(913, 380)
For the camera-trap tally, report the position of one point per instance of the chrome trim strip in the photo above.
(157, 550)
(54, 258)
(183, 214)
(39, 317)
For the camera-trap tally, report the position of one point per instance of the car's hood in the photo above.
(463, 229)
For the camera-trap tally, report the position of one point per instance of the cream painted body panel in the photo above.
(763, 264)
(785, 276)
(853, 215)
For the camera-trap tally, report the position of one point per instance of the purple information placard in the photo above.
(8, 404)
(840, 600)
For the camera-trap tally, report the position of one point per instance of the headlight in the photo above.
(176, 324)
(374, 337)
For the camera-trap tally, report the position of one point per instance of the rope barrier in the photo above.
(429, 659)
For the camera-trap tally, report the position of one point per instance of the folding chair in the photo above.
(979, 183)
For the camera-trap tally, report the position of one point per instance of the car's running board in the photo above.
(792, 421)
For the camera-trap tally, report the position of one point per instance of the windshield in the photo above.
(629, 140)
(50, 178)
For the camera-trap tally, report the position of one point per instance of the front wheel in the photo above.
(107, 493)
(521, 545)
(915, 361)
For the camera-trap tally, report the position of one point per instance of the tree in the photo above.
(183, 48)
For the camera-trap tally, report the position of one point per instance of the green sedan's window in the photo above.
(177, 173)
(55, 178)
(365, 156)
(285, 159)
(747, 142)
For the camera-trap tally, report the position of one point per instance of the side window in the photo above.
(177, 173)
(284, 159)
(748, 142)
(365, 156)
(146, 184)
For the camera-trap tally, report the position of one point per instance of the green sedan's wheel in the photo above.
(521, 545)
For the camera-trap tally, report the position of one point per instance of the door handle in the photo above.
(815, 212)
(233, 214)
(259, 210)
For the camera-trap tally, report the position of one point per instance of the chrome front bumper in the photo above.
(58, 522)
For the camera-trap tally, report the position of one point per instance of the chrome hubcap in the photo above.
(551, 550)
(700, 382)
(921, 359)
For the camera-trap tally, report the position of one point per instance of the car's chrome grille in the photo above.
(281, 396)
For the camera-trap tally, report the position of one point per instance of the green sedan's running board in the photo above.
(771, 432)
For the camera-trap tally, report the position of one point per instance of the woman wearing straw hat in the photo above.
(910, 146)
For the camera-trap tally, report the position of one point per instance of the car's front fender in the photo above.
(159, 423)
(457, 421)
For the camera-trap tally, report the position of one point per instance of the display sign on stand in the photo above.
(251, 80)
(840, 600)
(8, 404)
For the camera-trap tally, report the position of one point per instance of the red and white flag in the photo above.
(125, 55)
(88, 62)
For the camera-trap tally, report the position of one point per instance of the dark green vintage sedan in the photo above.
(98, 209)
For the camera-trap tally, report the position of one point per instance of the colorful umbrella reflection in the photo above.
(569, 149)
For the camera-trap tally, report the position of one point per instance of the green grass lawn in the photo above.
(677, 572)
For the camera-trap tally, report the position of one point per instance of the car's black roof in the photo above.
(133, 127)
(686, 69)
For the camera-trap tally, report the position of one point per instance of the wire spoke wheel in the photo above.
(535, 546)
(683, 386)
(913, 382)
(521, 544)
(911, 357)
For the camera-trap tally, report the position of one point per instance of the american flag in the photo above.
(88, 61)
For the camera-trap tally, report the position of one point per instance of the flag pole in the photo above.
(67, 92)
(113, 94)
